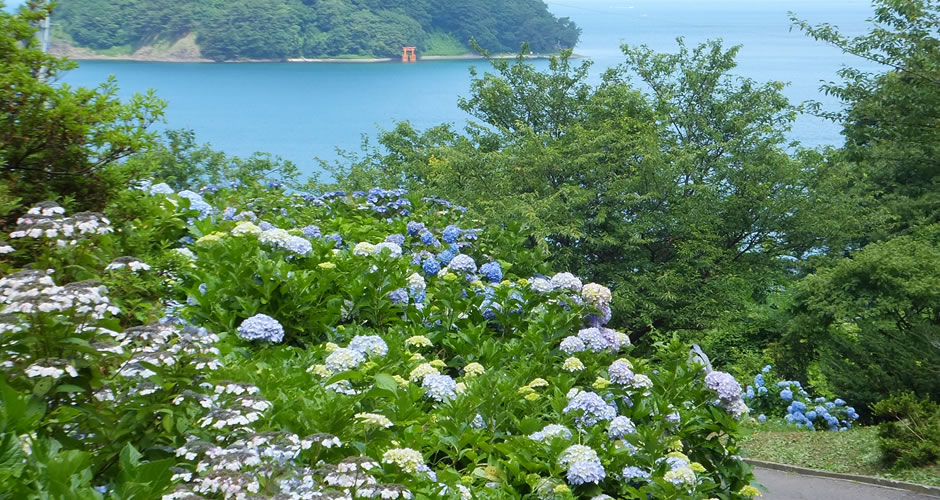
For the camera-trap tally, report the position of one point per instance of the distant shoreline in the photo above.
(82, 54)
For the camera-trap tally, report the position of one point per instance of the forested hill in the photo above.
(280, 29)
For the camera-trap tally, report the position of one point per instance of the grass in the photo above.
(854, 451)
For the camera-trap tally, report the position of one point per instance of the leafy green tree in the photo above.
(686, 199)
(890, 118)
(57, 141)
(868, 324)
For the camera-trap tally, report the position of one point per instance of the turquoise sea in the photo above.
(301, 111)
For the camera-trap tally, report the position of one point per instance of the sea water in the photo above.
(303, 111)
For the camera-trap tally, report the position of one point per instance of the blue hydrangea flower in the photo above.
(427, 238)
(203, 288)
(633, 473)
(370, 345)
(162, 188)
(811, 415)
(759, 380)
(196, 202)
(298, 245)
(796, 407)
(446, 256)
(593, 408)
(228, 213)
(761, 390)
(431, 266)
(762, 418)
(439, 387)
(311, 232)
(620, 426)
(492, 271)
(415, 228)
(766, 369)
(335, 238)
(265, 225)
(261, 327)
(786, 394)
(673, 418)
(451, 234)
(585, 472)
(839, 402)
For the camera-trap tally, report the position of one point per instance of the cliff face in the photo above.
(285, 29)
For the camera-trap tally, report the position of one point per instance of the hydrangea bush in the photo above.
(341, 345)
(769, 396)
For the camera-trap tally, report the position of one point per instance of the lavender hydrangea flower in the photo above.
(335, 238)
(550, 432)
(729, 392)
(566, 281)
(571, 345)
(196, 202)
(398, 239)
(399, 296)
(620, 372)
(492, 271)
(261, 327)
(310, 232)
(594, 339)
(463, 263)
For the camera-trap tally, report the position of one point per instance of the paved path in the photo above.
(789, 486)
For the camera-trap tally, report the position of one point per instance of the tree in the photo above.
(890, 121)
(686, 200)
(57, 141)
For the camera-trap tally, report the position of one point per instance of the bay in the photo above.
(304, 110)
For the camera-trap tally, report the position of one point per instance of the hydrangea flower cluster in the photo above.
(261, 327)
(788, 399)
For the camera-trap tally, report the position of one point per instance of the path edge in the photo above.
(890, 483)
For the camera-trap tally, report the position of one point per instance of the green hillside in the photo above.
(280, 29)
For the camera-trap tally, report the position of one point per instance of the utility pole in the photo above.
(45, 32)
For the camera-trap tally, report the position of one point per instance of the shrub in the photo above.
(371, 342)
(910, 435)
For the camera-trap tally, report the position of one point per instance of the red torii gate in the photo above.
(408, 54)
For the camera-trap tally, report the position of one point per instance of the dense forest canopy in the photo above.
(279, 29)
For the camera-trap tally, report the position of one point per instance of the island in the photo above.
(303, 30)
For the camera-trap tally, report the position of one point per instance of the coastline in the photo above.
(143, 55)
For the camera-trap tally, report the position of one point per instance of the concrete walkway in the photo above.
(790, 486)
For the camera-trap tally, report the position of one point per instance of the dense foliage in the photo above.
(684, 199)
(258, 29)
(56, 140)
(910, 434)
